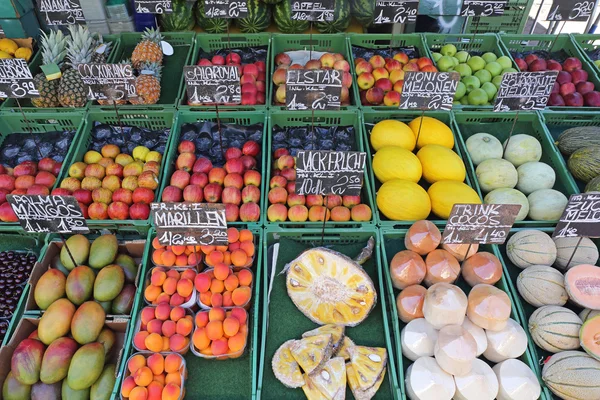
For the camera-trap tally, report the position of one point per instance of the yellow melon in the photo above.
(402, 200)
(390, 132)
(396, 163)
(444, 194)
(433, 131)
(441, 163)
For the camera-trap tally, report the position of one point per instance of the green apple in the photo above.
(489, 57)
(445, 63)
(476, 63)
(471, 82)
(497, 80)
(461, 90)
(462, 56)
(483, 75)
(597, 62)
(448, 50)
(504, 62)
(505, 70)
(494, 68)
(456, 103)
(436, 56)
(455, 61)
(463, 70)
(478, 97)
(490, 89)
(464, 101)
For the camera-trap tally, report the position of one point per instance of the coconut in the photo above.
(478, 334)
(510, 342)
(488, 307)
(425, 380)
(460, 250)
(409, 303)
(407, 268)
(418, 338)
(516, 381)
(422, 237)
(479, 384)
(455, 350)
(441, 267)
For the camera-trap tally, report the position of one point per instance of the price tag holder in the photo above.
(61, 12)
(313, 89)
(108, 81)
(16, 81)
(395, 11)
(330, 172)
(153, 6)
(315, 11)
(482, 8)
(581, 217)
(524, 91)
(569, 10)
(215, 84)
(226, 8)
(39, 214)
(429, 90)
(189, 224)
(480, 223)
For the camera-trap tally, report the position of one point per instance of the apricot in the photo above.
(221, 271)
(160, 378)
(219, 347)
(176, 314)
(207, 249)
(168, 258)
(136, 362)
(214, 257)
(248, 247)
(165, 343)
(244, 277)
(170, 285)
(176, 300)
(148, 315)
(207, 351)
(156, 363)
(216, 314)
(173, 273)
(127, 386)
(155, 390)
(169, 328)
(143, 376)
(154, 342)
(239, 258)
(211, 274)
(234, 246)
(200, 340)
(138, 393)
(152, 292)
(231, 326)
(216, 300)
(181, 260)
(139, 340)
(202, 319)
(177, 342)
(172, 363)
(237, 342)
(240, 314)
(162, 298)
(231, 283)
(162, 311)
(241, 295)
(155, 326)
(157, 256)
(172, 391)
(233, 235)
(184, 327)
(178, 250)
(222, 249)
(245, 235)
(156, 245)
(214, 330)
(202, 282)
(185, 287)
(227, 258)
(217, 286)
(205, 298)
(227, 302)
(194, 259)
(188, 274)
(158, 277)
(188, 250)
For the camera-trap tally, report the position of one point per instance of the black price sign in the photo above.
(226, 8)
(330, 172)
(581, 217)
(16, 80)
(153, 6)
(480, 223)
(38, 214)
(189, 224)
(216, 84)
(524, 91)
(108, 81)
(482, 8)
(396, 11)
(313, 89)
(429, 90)
(569, 10)
(66, 12)
(315, 11)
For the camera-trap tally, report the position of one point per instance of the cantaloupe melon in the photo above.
(479, 384)
(431, 131)
(586, 253)
(496, 173)
(390, 132)
(586, 314)
(516, 381)
(534, 176)
(440, 164)
(444, 194)
(483, 146)
(455, 350)
(510, 342)
(540, 285)
(478, 334)
(531, 247)
(425, 380)
(572, 375)
(418, 338)
(509, 196)
(546, 205)
(422, 237)
(394, 162)
(402, 200)
(583, 286)
(444, 304)
(589, 337)
(521, 149)
(488, 307)
(555, 328)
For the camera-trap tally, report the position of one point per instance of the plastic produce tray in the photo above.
(283, 321)
(499, 125)
(512, 21)
(587, 44)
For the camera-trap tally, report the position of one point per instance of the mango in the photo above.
(26, 361)
(43, 391)
(109, 283)
(86, 366)
(103, 251)
(56, 321)
(130, 268)
(14, 390)
(87, 323)
(106, 306)
(103, 387)
(70, 394)
(123, 303)
(57, 264)
(50, 287)
(79, 246)
(57, 358)
(107, 338)
(80, 284)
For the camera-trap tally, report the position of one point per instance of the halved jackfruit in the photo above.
(361, 394)
(342, 350)
(285, 367)
(310, 389)
(312, 352)
(368, 363)
(331, 379)
(336, 331)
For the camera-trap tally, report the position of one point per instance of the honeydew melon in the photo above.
(535, 175)
(483, 146)
(546, 205)
(496, 173)
(509, 196)
(521, 149)
(418, 339)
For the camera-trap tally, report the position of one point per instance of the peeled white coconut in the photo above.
(444, 304)
(546, 205)
(488, 307)
(510, 342)
(483, 146)
(425, 380)
(521, 149)
(455, 350)
(509, 196)
(478, 334)
(418, 338)
(479, 384)
(516, 381)
(535, 175)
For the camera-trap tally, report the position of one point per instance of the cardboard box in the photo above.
(15, 8)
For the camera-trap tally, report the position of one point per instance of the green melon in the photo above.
(363, 11)
(181, 19)
(535, 175)
(572, 375)
(531, 247)
(508, 196)
(575, 138)
(282, 13)
(593, 185)
(555, 328)
(584, 163)
(586, 253)
(540, 285)
(546, 205)
(258, 19)
(341, 19)
(496, 173)
(483, 146)
(521, 149)
(210, 25)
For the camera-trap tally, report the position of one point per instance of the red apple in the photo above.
(251, 69)
(142, 195)
(199, 178)
(350, 201)
(212, 192)
(186, 146)
(231, 195)
(289, 173)
(250, 194)
(84, 210)
(555, 87)
(291, 187)
(521, 64)
(363, 66)
(56, 169)
(249, 212)
(84, 196)
(185, 161)
(204, 62)
(286, 161)
(233, 166)
(530, 58)
(252, 177)
(375, 96)
(122, 195)
(260, 65)
(296, 199)
(276, 213)
(392, 99)
(172, 194)
(233, 180)
(332, 201)
(314, 200)
(280, 152)
(277, 195)
(537, 65)
(277, 181)
(202, 164)
(232, 212)
(232, 152)
(251, 148)
(248, 162)
(384, 84)
(279, 76)
(118, 210)
(180, 178)
(139, 211)
(217, 175)
(46, 164)
(233, 58)
(114, 169)
(193, 194)
(218, 60)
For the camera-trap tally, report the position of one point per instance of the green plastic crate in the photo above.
(213, 42)
(283, 321)
(373, 117)
(321, 118)
(499, 125)
(333, 43)
(226, 117)
(392, 242)
(381, 41)
(512, 21)
(586, 44)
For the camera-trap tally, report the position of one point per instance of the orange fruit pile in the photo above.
(221, 333)
(164, 328)
(175, 256)
(153, 378)
(170, 286)
(238, 253)
(222, 287)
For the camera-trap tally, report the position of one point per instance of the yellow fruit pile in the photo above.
(401, 198)
(10, 49)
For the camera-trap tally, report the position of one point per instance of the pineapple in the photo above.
(72, 92)
(361, 394)
(54, 51)
(369, 364)
(336, 331)
(331, 379)
(330, 288)
(342, 351)
(101, 58)
(147, 84)
(285, 368)
(312, 353)
(149, 49)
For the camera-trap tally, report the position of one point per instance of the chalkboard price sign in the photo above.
(214, 84)
(396, 11)
(226, 8)
(330, 172)
(66, 12)
(39, 214)
(313, 89)
(153, 6)
(108, 81)
(316, 11)
(524, 91)
(482, 8)
(569, 10)
(480, 223)
(16, 80)
(581, 217)
(429, 90)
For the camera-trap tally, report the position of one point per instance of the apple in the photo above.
(401, 57)
(202, 165)
(574, 99)
(98, 211)
(185, 161)
(346, 79)
(252, 177)
(297, 213)
(114, 169)
(230, 195)
(147, 180)
(282, 59)
(365, 81)
(186, 146)
(204, 62)
(152, 166)
(217, 175)
(113, 183)
(250, 69)
(345, 95)
(193, 194)
(45, 164)
(139, 211)
(232, 212)
(538, 65)
(233, 180)
(250, 212)
(251, 194)
(555, 88)
(327, 60)
(393, 65)
(118, 210)
(314, 200)
(429, 68)
(282, 151)
(375, 96)
(277, 195)
(233, 166)
(122, 195)
(130, 183)
(291, 187)
(249, 88)
(338, 56)
(363, 66)
(592, 99)
(212, 192)
(579, 75)
(530, 58)
(289, 174)
(279, 76)
(567, 88)
(522, 64)
(142, 195)
(361, 213)
(285, 161)
(380, 73)
(350, 201)
(218, 60)
(276, 213)
(180, 179)
(584, 87)
(172, 194)
(318, 213)
(277, 181)
(392, 99)
(199, 178)
(67, 183)
(340, 214)
(384, 84)
(571, 64)
(377, 61)
(248, 162)
(411, 67)
(294, 199)
(280, 94)
(342, 65)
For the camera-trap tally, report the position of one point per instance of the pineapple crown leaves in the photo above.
(80, 49)
(54, 47)
(99, 40)
(153, 67)
(152, 35)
